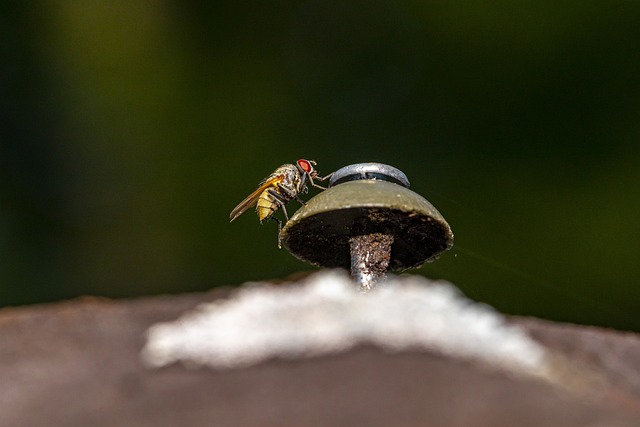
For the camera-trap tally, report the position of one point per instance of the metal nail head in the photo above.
(370, 222)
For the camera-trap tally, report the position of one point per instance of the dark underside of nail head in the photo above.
(324, 238)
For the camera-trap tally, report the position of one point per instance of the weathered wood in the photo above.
(77, 363)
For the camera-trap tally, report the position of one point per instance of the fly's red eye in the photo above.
(305, 165)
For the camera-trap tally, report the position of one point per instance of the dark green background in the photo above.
(130, 129)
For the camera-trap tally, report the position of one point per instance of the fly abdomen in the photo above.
(266, 205)
(270, 201)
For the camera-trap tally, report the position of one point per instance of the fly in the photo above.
(276, 190)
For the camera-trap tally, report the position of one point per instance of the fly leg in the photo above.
(319, 178)
(281, 200)
(279, 230)
(290, 194)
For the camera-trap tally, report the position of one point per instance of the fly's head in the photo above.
(306, 167)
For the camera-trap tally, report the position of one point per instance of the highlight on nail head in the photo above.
(375, 171)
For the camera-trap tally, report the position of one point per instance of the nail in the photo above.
(370, 222)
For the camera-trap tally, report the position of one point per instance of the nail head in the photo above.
(319, 232)
(374, 171)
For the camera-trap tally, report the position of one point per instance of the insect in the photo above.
(273, 192)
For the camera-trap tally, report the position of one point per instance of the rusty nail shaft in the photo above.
(370, 255)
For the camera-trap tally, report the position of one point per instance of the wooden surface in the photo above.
(77, 363)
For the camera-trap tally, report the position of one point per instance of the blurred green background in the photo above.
(130, 129)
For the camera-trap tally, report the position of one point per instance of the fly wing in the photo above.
(252, 198)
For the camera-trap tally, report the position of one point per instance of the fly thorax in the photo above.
(291, 180)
